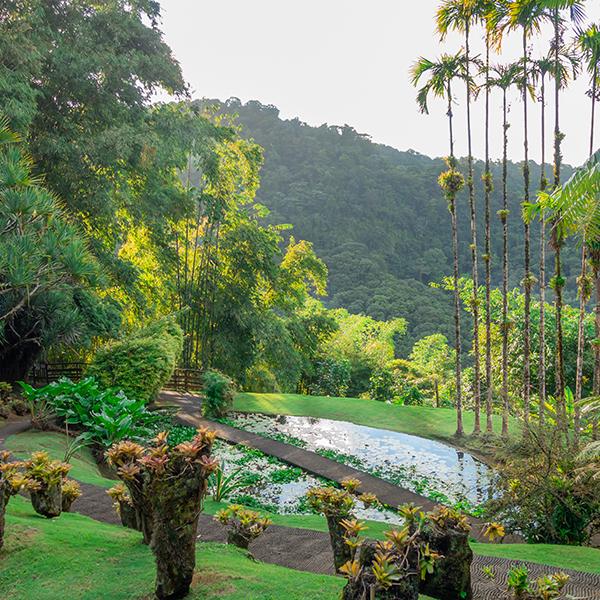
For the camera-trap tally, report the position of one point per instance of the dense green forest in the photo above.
(378, 219)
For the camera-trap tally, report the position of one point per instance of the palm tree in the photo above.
(558, 282)
(541, 68)
(483, 13)
(506, 75)
(441, 74)
(528, 16)
(588, 42)
(458, 15)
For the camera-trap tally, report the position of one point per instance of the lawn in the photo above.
(43, 558)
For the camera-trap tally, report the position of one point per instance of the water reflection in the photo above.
(424, 466)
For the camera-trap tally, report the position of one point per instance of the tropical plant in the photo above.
(338, 505)
(105, 416)
(46, 498)
(43, 260)
(221, 486)
(243, 525)
(521, 587)
(588, 43)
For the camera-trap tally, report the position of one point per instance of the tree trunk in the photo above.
(505, 329)
(459, 420)
(542, 355)
(475, 301)
(583, 298)
(528, 281)
(177, 505)
(47, 501)
(3, 501)
(488, 256)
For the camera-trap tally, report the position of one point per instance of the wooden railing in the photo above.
(46, 373)
(185, 380)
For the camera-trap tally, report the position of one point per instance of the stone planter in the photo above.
(342, 553)
(451, 578)
(47, 501)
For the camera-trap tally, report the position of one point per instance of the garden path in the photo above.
(308, 550)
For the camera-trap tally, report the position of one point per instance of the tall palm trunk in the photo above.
(488, 276)
(475, 300)
(459, 420)
(505, 327)
(559, 282)
(542, 328)
(528, 281)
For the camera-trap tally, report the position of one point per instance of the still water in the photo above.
(427, 467)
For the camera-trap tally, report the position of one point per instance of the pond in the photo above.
(277, 487)
(426, 467)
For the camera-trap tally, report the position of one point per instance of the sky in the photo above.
(347, 62)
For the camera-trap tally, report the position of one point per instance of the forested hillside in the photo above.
(378, 218)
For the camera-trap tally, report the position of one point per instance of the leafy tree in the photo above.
(433, 357)
(44, 260)
(367, 344)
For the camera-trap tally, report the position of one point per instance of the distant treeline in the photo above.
(378, 218)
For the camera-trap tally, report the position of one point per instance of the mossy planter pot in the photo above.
(47, 501)
(342, 553)
(238, 540)
(129, 516)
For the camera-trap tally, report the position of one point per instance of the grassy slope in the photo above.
(431, 423)
(84, 465)
(43, 558)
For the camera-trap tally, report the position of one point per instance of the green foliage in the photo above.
(222, 486)
(141, 365)
(382, 386)
(546, 498)
(105, 416)
(219, 391)
(332, 378)
(44, 260)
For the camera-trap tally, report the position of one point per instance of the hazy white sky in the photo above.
(347, 62)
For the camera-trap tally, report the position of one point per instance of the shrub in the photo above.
(141, 365)
(219, 391)
(167, 486)
(243, 525)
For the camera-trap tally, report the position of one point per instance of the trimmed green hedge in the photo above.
(141, 365)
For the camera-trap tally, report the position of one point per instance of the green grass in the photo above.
(84, 466)
(561, 557)
(432, 423)
(42, 559)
